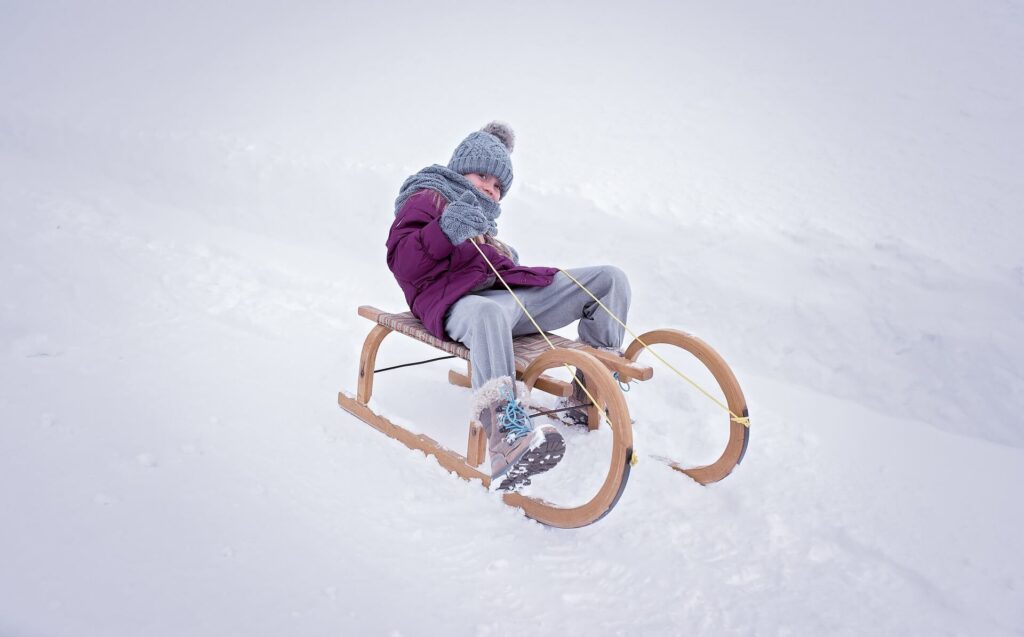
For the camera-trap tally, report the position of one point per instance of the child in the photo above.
(440, 212)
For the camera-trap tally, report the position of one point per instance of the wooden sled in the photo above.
(533, 357)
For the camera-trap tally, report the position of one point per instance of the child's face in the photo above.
(487, 184)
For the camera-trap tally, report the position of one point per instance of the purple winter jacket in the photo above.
(433, 273)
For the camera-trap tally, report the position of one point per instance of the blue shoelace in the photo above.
(515, 420)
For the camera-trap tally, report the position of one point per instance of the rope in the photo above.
(556, 411)
(429, 360)
(743, 420)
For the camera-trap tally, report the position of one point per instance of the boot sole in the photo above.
(535, 461)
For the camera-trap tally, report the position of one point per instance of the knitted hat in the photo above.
(487, 151)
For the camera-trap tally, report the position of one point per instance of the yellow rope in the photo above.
(593, 400)
(743, 420)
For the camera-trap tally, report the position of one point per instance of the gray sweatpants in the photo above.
(486, 321)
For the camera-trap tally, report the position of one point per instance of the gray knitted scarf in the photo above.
(450, 185)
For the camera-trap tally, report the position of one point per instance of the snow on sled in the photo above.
(604, 372)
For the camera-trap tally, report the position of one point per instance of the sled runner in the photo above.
(534, 356)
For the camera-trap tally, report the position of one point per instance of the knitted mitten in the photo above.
(463, 219)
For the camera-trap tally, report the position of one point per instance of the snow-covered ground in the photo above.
(193, 202)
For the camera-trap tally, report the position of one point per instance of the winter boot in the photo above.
(573, 411)
(518, 450)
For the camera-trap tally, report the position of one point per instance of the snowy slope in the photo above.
(193, 202)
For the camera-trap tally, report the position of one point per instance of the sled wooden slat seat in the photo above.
(526, 349)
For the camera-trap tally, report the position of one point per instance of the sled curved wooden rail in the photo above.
(739, 434)
(533, 357)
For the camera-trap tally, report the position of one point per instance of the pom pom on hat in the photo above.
(503, 132)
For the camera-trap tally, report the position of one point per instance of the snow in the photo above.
(193, 202)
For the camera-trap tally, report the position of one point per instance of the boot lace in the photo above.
(514, 420)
